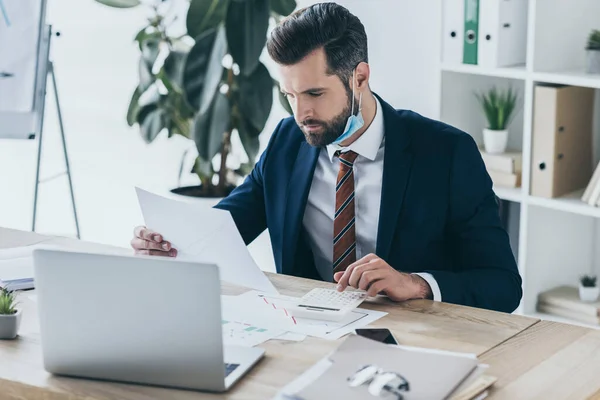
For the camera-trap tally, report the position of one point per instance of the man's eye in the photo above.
(315, 94)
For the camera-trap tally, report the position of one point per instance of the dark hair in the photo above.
(326, 25)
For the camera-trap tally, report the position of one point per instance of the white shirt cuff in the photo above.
(435, 288)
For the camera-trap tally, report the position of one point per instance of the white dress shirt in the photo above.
(368, 174)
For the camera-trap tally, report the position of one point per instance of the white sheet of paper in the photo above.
(291, 337)
(244, 334)
(270, 311)
(204, 235)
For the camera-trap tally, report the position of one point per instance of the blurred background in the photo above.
(521, 76)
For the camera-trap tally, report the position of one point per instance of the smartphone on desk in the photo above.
(379, 334)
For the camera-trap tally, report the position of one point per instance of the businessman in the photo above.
(356, 192)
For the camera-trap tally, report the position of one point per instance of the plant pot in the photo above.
(9, 325)
(495, 141)
(593, 62)
(588, 294)
(195, 194)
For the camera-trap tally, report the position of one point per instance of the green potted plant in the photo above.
(593, 52)
(10, 317)
(498, 107)
(588, 290)
(207, 84)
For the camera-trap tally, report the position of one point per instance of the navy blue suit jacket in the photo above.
(438, 212)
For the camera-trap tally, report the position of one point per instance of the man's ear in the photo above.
(363, 72)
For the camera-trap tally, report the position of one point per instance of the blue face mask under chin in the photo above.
(355, 122)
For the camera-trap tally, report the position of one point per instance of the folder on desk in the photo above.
(471, 31)
(453, 31)
(359, 366)
(502, 35)
(562, 159)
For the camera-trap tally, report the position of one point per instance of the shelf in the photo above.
(508, 193)
(569, 203)
(575, 77)
(517, 72)
(556, 318)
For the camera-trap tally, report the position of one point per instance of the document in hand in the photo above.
(362, 368)
(205, 235)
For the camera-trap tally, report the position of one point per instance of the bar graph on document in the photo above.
(243, 334)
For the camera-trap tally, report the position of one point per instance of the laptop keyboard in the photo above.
(229, 368)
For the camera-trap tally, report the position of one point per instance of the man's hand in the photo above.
(374, 275)
(151, 243)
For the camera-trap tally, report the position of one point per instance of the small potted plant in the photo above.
(588, 290)
(593, 52)
(10, 317)
(499, 109)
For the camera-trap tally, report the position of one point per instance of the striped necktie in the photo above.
(344, 232)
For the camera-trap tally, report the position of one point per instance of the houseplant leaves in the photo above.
(205, 14)
(209, 127)
(283, 7)
(247, 22)
(203, 68)
(256, 96)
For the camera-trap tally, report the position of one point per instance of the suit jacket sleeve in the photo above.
(246, 203)
(486, 274)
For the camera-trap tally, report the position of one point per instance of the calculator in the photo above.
(327, 304)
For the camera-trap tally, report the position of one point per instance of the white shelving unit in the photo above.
(558, 238)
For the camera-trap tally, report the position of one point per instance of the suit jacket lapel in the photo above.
(296, 198)
(397, 163)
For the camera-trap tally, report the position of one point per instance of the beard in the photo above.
(330, 130)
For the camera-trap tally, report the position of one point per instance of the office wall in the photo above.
(96, 70)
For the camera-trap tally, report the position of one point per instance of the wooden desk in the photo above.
(418, 323)
(549, 360)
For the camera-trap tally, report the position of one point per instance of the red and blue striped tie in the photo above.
(344, 231)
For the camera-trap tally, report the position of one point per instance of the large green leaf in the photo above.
(247, 23)
(256, 96)
(209, 127)
(134, 107)
(152, 124)
(205, 14)
(203, 68)
(249, 138)
(174, 65)
(120, 3)
(283, 7)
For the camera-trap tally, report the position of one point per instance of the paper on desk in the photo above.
(16, 264)
(243, 334)
(270, 311)
(204, 235)
(291, 337)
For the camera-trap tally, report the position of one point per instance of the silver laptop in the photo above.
(137, 319)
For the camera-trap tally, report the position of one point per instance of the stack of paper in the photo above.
(358, 367)
(16, 267)
(270, 311)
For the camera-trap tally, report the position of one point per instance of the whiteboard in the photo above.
(21, 33)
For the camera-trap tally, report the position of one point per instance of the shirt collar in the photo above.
(367, 145)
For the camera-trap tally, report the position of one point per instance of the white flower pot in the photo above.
(588, 294)
(495, 141)
(593, 62)
(9, 325)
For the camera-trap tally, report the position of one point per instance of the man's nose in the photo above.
(303, 110)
